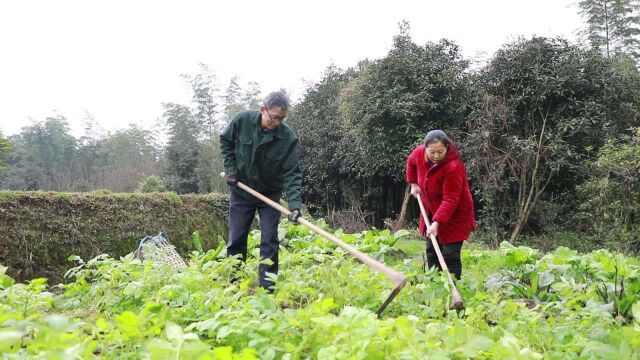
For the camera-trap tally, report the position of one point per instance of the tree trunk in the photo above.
(402, 219)
(532, 188)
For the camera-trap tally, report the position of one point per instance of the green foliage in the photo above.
(48, 227)
(152, 184)
(519, 304)
(583, 242)
(612, 25)
(193, 154)
(210, 164)
(45, 156)
(316, 121)
(182, 149)
(5, 280)
(124, 158)
(357, 126)
(543, 106)
(393, 102)
(611, 198)
(197, 241)
(5, 148)
(205, 91)
(541, 110)
(103, 191)
(233, 100)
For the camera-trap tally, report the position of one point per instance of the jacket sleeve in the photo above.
(451, 193)
(228, 140)
(292, 176)
(411, 170)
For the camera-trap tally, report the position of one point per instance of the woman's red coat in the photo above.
(445, 193)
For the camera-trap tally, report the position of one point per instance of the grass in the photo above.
(413, 247)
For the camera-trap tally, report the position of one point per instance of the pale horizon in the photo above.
(119, 61)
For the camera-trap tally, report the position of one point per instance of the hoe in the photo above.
(397, 279)
(456, 299)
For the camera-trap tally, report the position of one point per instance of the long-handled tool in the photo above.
(456, 299)
(397, 279)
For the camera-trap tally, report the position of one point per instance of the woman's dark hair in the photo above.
(434, 136)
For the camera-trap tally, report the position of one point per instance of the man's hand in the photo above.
(415, 190)
(295, 214)
(232, 180)
(433, 229)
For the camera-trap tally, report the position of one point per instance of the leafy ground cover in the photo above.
(520, 304)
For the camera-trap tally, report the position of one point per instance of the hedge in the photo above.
(40, 230)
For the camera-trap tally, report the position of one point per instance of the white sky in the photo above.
(119, 60)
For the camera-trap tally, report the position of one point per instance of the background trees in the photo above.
(541, 111)
(5, 148)
(530, 124)
(545, 127)
(43, 157)
(126, 158)
(613, 26)
(609, 201)
(183, 147)
(357, 126)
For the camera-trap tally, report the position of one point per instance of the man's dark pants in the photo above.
(241, 215)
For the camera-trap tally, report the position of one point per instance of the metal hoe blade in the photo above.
(394, 292)
(398, 279)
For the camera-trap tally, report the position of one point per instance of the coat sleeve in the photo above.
(451, 193)
(292, 177)
(411, 174)
(228, 140)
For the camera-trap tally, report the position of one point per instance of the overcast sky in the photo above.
(120, 60)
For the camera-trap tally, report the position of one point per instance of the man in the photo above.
(261, 151)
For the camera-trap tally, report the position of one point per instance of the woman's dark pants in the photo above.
(451, 255)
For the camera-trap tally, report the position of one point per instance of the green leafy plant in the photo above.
(520, 303)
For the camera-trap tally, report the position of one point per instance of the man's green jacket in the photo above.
(267, 162)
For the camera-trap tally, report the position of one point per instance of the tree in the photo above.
(387, 109)
(44, 157)
(612, 25)
(364, 122)
(209, 165)
(251, 98)
(205, 94)
(392, 103)
(541, 110)
(182, 149)
(89, 145)
(151, 184)
(610, 199)
(316, 121)
(125, 158)
(5, 150)
(233, 100)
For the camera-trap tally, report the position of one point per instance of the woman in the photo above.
(436, 172)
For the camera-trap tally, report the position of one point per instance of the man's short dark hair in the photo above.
(276, 99)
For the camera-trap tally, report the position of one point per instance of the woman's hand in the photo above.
(415, 190)
(433, 229)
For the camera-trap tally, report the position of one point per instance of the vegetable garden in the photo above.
(520, 304)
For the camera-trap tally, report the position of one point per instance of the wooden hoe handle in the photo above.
(397, 279)
(455, 295)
